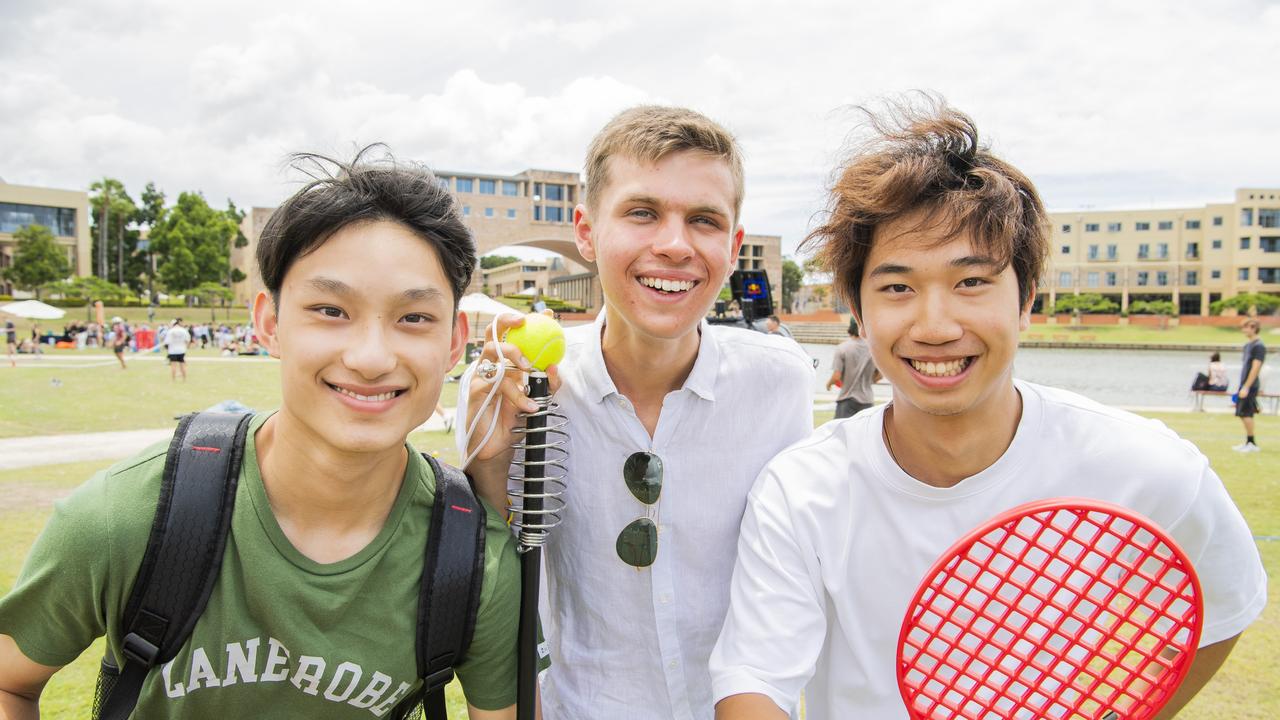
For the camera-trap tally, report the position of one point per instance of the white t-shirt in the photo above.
(176, 340)
(633, 644)
(837, 538)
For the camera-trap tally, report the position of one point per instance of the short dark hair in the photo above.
(1216, 357)
(929, 159)
(364, 190)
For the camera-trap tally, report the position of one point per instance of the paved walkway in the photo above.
(30, 451)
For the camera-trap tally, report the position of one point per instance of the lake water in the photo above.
(1123, 378)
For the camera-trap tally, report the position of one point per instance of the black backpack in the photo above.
(184, 554)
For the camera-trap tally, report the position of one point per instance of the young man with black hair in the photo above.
(670, 420)
(314, 612)
(937, 245)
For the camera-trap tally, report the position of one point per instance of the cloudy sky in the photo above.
(1104, 104)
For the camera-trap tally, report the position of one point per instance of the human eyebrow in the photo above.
(422, 294)
(969, 261)
(329, 285)
(889, 269)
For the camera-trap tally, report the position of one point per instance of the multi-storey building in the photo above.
(534, 209)
(1190, 256)
(64, 212)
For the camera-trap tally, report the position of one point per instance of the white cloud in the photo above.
(1151, 101)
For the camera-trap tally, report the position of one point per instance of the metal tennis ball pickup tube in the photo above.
(531, 547)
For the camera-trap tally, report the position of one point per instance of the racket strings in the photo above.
(1063, 614)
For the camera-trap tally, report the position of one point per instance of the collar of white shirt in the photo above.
(701, 380)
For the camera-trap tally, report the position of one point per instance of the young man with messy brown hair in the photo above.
(670, 420)
(937, 245)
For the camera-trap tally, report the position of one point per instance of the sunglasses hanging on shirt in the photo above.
(637, 544)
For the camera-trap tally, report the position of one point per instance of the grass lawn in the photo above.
(89, 397)
(1248, 687)
(1180, 335)
(239, 315)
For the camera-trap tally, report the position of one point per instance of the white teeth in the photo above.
(942, 369)
(666, 285)
(365, 398)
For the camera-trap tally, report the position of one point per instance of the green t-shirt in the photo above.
(282, 634)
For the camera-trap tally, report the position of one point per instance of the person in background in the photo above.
(1217, 374)
(774, 326)
(11, 342)
(175, 343)
(119, 340)
(1255, 353)
(854, 372)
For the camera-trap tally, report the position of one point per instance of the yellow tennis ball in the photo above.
(541, 339)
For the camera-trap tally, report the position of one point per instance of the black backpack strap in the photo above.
(452, 577)
(184, 551)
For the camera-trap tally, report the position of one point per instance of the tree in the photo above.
(792, 279)
(90, 288)
(193, 242)
(212, 293)
(488, 262)
(122, 263)
(152, 209)
(1087, 303)
(1261, 303)
(38, 259)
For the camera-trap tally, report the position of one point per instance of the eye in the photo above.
(417, 318)
(974, 282)
(642, 214)
(329, 311)
(703, 219)
(896, 288)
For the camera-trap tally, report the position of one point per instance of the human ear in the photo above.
(266, 322)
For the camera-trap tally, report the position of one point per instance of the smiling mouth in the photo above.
(366, 398)
(940, 369)
(671, 287)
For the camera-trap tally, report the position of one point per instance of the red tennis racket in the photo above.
(1063, 608)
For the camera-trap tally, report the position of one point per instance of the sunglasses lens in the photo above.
(638, 543)
(643, 474)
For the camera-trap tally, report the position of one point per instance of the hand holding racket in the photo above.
(1064, 608)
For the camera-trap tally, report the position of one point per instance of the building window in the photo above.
(1269, 243)
(1246, 217)
(1244, 243)
(1142, 277)
(1091, 227)
(511, 213)
(443, 182)
(555, 192)
(1114, 227)
(1243, 274)
(1064, 279)
(466, 210)
(1217, 244)
(509, 188)
(1111, 279)
(537, 212)
(1215, 274)
(1142, 226)
(537, 191)
(1193, 250)
(1164, 225)
(1093, 252)
(1193, 224)
(1162, 278)
(464, 185)
(1113, 252)
(488, 212)
(1269, 275)
(1092, 279)
(1268, 218)
(488, 187)
(1162, 251)
(1066, 249)
(1066, 228)
(1193, 277)
(554, 213)
(15, 216)
(1217, 221)
(1144, 250)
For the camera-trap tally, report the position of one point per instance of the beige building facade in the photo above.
(64, 212)
(764, 252)
(1190, 256)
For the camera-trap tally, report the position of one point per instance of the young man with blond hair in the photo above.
(937, 245)
(670, 420)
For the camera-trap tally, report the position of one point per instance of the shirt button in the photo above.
(673, 664)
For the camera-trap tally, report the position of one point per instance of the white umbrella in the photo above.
(33, 309)
(482, 304)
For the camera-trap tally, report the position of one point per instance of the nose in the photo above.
(935, 322)
(673, 240)
(369, 352)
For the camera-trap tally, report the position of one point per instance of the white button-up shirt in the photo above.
(634, 644)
